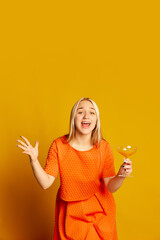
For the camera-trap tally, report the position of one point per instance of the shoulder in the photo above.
(105, 147)
(104, 143)
(60, 140)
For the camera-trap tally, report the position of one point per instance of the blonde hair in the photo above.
(96, 135)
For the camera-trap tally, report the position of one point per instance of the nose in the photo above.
(85, 115)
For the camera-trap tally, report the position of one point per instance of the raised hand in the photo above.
(28, 149)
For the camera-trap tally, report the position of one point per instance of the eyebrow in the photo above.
(83, 108)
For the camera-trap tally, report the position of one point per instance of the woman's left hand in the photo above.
(125, 168)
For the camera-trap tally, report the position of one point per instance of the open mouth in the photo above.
(85, 124)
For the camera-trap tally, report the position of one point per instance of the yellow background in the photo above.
(51, 54)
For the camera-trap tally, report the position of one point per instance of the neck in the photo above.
(82, 140)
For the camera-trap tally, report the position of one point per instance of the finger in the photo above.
(36, 145)
(128, 161)
(122, 167)
(125, 160)
(22, 143)
(123, 170)
(26, 140)
(21, 147)
(26, 152)
(128, 171)
(128, 167)
(125, 165)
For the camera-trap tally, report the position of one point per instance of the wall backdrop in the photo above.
(51, 54)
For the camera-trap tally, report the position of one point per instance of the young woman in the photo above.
(85, 207)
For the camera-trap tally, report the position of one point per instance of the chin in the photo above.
(85, 132)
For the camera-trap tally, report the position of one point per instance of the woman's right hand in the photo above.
(28, 149)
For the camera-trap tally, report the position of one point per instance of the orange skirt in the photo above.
(90, 219)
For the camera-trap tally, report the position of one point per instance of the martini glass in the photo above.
(126, 151)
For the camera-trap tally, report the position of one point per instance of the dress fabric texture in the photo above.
(85, 209)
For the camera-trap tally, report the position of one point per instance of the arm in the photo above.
(45, 180)
(114, 183)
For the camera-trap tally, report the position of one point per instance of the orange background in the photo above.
(52, 54)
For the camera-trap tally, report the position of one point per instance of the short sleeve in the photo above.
(51, 166)
(108, 167)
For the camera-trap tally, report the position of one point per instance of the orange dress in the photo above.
(85, 209)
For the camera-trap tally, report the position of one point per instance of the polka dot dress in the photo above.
(85, 209)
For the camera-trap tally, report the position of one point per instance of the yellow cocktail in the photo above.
(126, 151)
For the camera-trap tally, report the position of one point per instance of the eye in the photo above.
(80, 112)
(92, 112)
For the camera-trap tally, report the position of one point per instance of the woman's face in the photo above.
(85, 118)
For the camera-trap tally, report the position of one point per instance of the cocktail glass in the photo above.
(126, 151)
